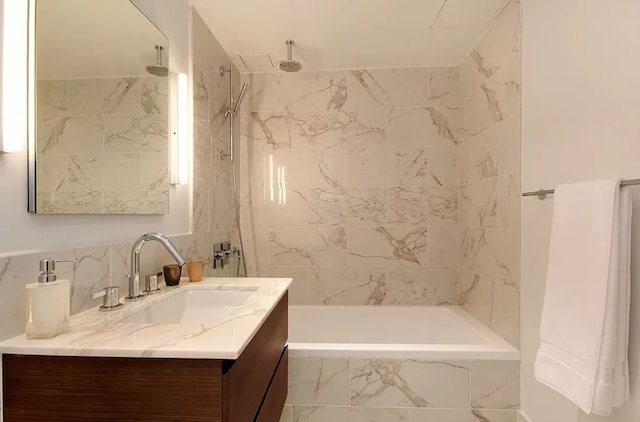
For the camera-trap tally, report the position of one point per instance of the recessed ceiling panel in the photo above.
(467, 13)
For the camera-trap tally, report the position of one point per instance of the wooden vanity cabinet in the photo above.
(252, 388)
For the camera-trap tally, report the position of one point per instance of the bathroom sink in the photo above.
(192, 306)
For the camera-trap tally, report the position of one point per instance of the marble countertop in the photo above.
(94, 333)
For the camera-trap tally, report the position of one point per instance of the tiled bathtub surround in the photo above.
(402, 390)
(489, 172)
(103, 146)
(391, 186)
(350, 185)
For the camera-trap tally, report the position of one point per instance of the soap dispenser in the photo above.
(48, 302)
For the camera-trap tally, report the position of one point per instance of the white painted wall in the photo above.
(581, 120)
(21, 231)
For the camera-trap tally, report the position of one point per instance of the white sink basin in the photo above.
(192, 306)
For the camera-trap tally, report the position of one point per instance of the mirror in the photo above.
(100, 133)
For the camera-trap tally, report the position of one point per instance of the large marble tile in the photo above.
(317, 245)
(221, 207)
(495, 384)
(476, 296)
(443, 245)
(387, 245)
(154, 171)
(509, 320)
(136, 133)
(338, 128)
(318, 381)
(104, 172)
(423, 206)
(423, 126)
(409, 383)
(201, 91)
(375, 88)
(71, 202)
(479, 204)
(222, 162)
(89, 275)
(444, 89)
(443, 166)
(219, 101)
(369, 167)
(352, 206)
(52, 98)
(347, 285)
(154, 95)
(270, 131)
(65, 135)
(200, 210)
(510, 195)
(274, 208)
(349, 414)
(307, 90)
(137, 202)
(421, 286)
(411, 167)
(52, 173)
(203, 162)
(493, 253)
(328, 168)
(499, 46)
(104, 96)
(494, 152)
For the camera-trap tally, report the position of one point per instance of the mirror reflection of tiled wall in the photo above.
(102, 146)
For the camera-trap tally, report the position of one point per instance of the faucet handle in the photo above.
(110, 298)
(151, 283)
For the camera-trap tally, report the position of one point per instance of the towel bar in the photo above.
(542, 193)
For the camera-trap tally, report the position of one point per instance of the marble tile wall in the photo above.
(103, 146)
(402, 390)
(213, 204)
(489, 174)
(349, 184)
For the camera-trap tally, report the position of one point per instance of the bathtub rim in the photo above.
(496, 347)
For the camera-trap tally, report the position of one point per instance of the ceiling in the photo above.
(89, 38)
(347, 34)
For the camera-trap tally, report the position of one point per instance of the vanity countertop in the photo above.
(95, 333)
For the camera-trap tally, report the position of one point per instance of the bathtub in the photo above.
(393, 332)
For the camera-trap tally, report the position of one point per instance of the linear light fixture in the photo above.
(180, 145)
(14, 50)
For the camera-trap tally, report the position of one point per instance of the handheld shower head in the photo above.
(243, 90)
(289, 65)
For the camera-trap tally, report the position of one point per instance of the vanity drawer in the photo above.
(271, 409)
(246, 380)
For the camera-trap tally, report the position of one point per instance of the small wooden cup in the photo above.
(195, 270)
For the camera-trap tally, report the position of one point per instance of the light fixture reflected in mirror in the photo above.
(14, 70)
(179, 139)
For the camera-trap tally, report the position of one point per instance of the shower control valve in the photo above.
(221, 251)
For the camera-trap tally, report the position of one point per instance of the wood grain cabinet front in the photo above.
(251, 388)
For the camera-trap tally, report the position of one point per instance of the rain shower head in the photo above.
(158, 69)
(289, 65)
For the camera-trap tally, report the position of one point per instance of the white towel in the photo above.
(585, 318)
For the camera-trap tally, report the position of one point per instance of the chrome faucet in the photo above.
(134, 277)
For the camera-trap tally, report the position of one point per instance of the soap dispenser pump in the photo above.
(48, 302)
